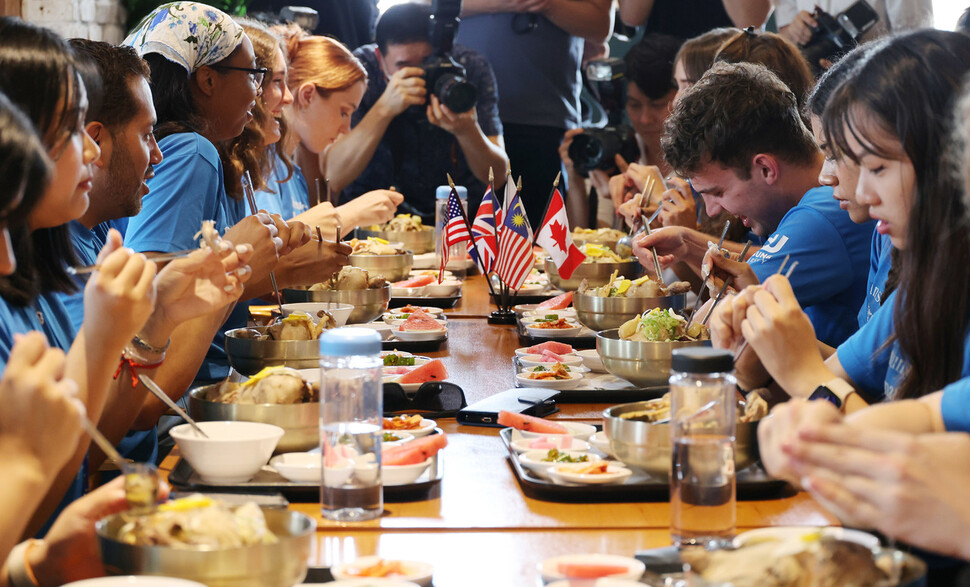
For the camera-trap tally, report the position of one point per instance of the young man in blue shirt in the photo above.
(738, 137)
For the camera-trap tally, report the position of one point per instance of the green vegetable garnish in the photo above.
(398, 361)
(555, 456)
(660, 325)
(391, 437)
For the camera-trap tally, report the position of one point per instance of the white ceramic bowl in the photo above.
(403, 438)
(435, 312)
(420, 335)
(403, 474)
(432, 272)
(366, 583)
(525, 381)
(522, 351)
(553, 332)
(568, 473)
(591, 359)
(408, 292)
(446, 288)
(135, 581)
(536, 360)
(601, 442)
(555, 568)
(414, 571)
(427, 426)
(576, 430)
(533, 460)
(301, 467)
(233, 453)
(340, 312)
(602, 582)
(385, 330)
(783, 532)
(556, 441)
(563, 313)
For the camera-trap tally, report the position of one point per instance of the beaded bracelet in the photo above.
(139, 343)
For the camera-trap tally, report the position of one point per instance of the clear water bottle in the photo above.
(456, 252)
(703, 497)
(351, 412)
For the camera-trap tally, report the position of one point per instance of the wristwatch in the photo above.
(833, 391)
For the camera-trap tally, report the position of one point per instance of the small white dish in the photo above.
(435, 312)
(385, 330)
(445, 289)
(591, 358)
(421, 335)
(521, 309)
(134, 581)
(432, 272)
(576, 430)
(414, 571)
(340, 312)
(398, 370)
(301, 467)
(408, 292)
(337, 474)
(535, 332)
(568, 473)
(545, 442)
(368, 582)
(561, 567)
(530, 289)
(526, 381)
(424, 261)
(426, 428)
(782, 532)
(601, 582)
(396, 352)
(563, 313)
(525, 350)
(601, 442)
(403, 474)
(401, 436)
(533, 460)
(537, 360)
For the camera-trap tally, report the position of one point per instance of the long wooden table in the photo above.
(482, 530)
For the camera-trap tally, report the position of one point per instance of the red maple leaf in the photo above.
(558, 235)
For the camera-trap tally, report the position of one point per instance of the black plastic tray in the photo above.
(752, 483)
(531, 299)
(435, 302)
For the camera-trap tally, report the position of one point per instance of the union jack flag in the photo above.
(483, 231)
(455, 231)
(515, 258)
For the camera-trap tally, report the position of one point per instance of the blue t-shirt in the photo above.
(414, 155)
(187, 188)
(833, 258)
(289, 198)
(880, 262)
(955, 406)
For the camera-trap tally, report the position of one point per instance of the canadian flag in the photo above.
(554, 237)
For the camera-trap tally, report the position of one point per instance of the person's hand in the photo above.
(781, 334)
(314, 262)
(623, 189)
(726, 334)
(374, 207)
(668, 242)
(70, 551)
(780, 432)
(41, 418)
(799, 30)
(293, 233)
(201, 283)
(259, 231)
(527, 6)
(567, 141)
(639, 175)
(906, 486)
(457, 124)
(679, 207)
(406, 88)
(718, 267)
(120, 295)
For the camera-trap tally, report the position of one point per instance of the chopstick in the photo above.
(724, 287)
(744, 342)
(156, 258)
(251, 196)
(700, 292)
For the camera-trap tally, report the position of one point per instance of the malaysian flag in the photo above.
(455, 231)
(483, 231)
(515, 259)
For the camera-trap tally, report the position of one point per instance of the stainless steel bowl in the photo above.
(368, 303)
(599, 313)
(644, 364)
(646, 445)
(606, 242)
(418, 241)
(595, 274)
(301, 422)
(392, 267)
(249, 356)
(264, 565)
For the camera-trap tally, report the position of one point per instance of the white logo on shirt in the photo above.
(771, 246)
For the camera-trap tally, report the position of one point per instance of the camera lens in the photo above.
(586, 151)
(456, 93)
(597, 148)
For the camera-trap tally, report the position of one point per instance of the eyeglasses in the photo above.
(256, 74)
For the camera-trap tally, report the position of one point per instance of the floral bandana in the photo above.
(188, 33)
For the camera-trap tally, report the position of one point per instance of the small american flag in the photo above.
(515, 259)
(483, 231)
(455, 231)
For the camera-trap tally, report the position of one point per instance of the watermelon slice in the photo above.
(559, 348)
(590, 571)
(420, 281)
(530, 423)
(547, 443)
(420, 320)
(430, 371)
(398, 370)
(551, 356)
(414, 452)
(557, 303)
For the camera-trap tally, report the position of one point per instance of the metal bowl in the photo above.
(368, 303)
(418, 241)
(249, 356)
(600, 313)
(644, 364)
(606, 242)
(264, 565)
(646, 445)
(595, 274)
(392, 267)
(301, 422)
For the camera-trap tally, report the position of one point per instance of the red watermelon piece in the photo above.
(414, 452)
(420, 281)
(557, 303)
(551, 356)
(430, 371)
(398, 370)
(590, 571)
(560, 348)
(530, 423)
(420, 320)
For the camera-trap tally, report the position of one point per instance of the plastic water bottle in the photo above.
(703, 497)
(351, 425)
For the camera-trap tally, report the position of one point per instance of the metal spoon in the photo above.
(160, 394)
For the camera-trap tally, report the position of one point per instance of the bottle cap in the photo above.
(346, 342)
(444, 191)
(702, 360)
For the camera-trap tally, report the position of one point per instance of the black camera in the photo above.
(837, 35)
(598, 145)
(444, 77)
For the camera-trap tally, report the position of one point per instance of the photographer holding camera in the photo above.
(429, 109)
